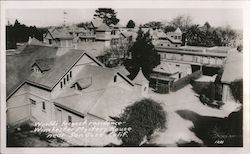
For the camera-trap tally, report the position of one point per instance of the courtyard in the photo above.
(183, 107)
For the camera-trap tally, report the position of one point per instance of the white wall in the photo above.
(227, 94)
(85, 60)
(19, 107)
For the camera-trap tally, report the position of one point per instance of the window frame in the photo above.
(43, 106)
(69, 119)
(32, 102)
(115, 78)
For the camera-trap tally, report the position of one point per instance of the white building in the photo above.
(44, 85)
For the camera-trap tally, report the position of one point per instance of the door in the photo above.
(59, 115)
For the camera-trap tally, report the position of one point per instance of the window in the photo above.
(64, 81)
(67, 77)
(179, 75)
(61, 84)
(33, 102)
(50, 41)
(43, 105)
(145, 88)
(176, 45)
(115, 78)
(69, 119)
(175, 37)
(70, 74)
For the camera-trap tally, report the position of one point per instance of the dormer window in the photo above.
(42, 65)
(82, 83)
(36, 69)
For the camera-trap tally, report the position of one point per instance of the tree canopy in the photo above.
(130, 24)
(209, 36)
(108, 15)
(20, 33)
(154, 25)
(182, 21)
(143, 117)
(143, 55)
(84, 24)
(237, 90)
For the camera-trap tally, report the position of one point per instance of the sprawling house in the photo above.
(46, 84)
(59, 37)
(213, 57)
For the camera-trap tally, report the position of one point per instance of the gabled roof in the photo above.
(96, 22)
(95, 49)
(92, 99)
(59, 33)
(140, 78)
(83, 101)
(44, 64)
(233, 69)
(166, 68)
(84, 83)
(34, 41)
(62, 64)
(178, 30)
(174, 41)
(19, 66)
(76, 29)
(123, 70)
(103, 28)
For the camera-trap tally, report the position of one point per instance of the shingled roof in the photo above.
(19, 66)
(96, 22)
(178, 30)
(140, 78)
(44, 64)
(103, 28)
(93, 98)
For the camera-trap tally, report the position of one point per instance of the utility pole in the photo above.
(64, 18)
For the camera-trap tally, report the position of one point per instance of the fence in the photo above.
(185, 80)
(161, 88)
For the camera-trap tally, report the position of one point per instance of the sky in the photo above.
(54, 17)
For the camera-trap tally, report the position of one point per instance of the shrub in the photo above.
(144, 117)
(237, 90)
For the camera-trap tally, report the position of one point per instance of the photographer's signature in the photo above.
(221, 138)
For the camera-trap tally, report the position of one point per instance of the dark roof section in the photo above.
(18, 67)
(62, 65)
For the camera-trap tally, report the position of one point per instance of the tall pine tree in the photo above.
(143, 55)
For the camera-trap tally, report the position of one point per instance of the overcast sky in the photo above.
(53, 17)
